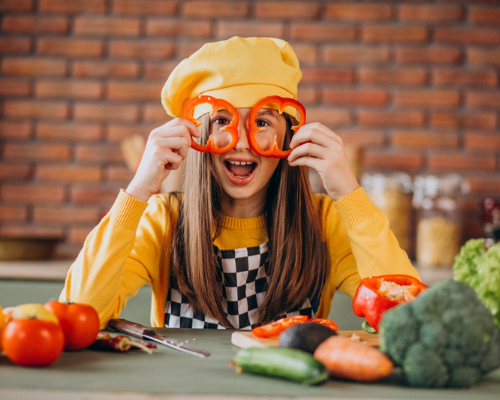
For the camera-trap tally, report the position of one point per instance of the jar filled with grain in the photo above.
(391, 193)
(438, 201)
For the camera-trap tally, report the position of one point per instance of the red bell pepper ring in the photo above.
(281, 102)
(276, 327)
(375, 295)
(217, 104)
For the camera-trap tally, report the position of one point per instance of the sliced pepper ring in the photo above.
(217, 104)
(281, 102)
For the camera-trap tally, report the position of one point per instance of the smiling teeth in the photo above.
(240, 162)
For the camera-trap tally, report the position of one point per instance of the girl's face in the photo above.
(244, 175)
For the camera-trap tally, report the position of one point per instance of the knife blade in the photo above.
(143, 332)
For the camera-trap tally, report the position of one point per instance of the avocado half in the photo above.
(305, 337)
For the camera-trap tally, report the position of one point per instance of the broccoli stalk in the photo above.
(445, 338)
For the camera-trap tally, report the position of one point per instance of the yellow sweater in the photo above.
(130, 248)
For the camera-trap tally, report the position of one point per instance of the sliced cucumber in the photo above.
(284, 363)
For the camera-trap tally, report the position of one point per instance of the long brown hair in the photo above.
(297, 255)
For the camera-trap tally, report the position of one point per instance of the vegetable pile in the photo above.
(480, 269)
(446, 337)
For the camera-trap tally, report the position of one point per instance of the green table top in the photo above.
(167, 373)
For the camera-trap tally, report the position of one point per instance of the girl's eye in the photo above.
(261, 123)
(221, 121)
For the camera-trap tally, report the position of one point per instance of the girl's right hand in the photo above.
(166, 148)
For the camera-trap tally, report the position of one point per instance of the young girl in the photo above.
(246, 241)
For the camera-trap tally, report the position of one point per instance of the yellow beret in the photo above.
(239, 70)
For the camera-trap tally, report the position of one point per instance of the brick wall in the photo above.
(415, 83)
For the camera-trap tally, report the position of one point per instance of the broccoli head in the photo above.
(445, 338)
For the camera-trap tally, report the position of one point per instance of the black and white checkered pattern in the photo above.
(241, 274)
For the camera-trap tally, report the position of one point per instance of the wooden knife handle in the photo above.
(131, 328)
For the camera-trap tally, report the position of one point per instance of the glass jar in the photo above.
(391, 193)
(438, 201)
(491, 220)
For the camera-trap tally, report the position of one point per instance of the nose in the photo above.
(242, 143)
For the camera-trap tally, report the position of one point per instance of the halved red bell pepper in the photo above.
(217, 104)
(375, 295)
(281, 102)
(276, 327)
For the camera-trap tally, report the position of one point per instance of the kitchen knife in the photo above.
(142, 332)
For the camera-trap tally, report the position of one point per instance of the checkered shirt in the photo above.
(241, 275)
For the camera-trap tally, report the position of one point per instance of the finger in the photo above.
(315, 132)
(307, 149)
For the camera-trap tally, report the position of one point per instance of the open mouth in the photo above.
(240, 169)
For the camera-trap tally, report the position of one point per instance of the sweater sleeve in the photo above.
(360, 244)
(121, 254)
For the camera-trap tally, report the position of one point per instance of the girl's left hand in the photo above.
(317, 147)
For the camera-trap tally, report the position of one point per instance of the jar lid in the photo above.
(430, 186)
(380, 181)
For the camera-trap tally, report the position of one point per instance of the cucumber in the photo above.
(284, 363)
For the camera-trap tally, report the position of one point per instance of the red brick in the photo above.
(321, 32)
(118, 90)
(484, 15)
(32, 231)
(73, 6)
(483, 99)
(424, 139)
(483, 184)
(327, 75)
(328, 116)
(116, 133)
(225, 29)
(159, 70)
(467, 35)
(428, 55)
(460, 161)
(357, 12)
(15, 130)
(16, 5)
(396, 76)
(307, 54)
(15, 172)
(36, 109)
(107, 26)
(178, 28)
(355, 54)
(32, 193)
(68, 173)
(461, 77)
(69, 131)
(106, 69)
(78, 235)
(394, 34)
(68, 89)
(482, 141)
(118, 174)
(392, 160)
(98, 153)
(361, 137)
(429, 13)
(390, 118)
(14, 88)
(362, 97)
(155, 112)
(92, 194)
(307, 94)
(36, 151)
(33, 67)
(141, 49)
(187, 48)
(70, 47)
(480, 120)
(34, 24)
(65, 215)
(215, 9)
(106, 111)
(483, 56)
(13, 213)
(14, 45)
(427, 98)
(145, 7)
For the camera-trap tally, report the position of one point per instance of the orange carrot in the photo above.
(349, 359)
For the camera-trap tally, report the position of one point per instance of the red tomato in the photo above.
(32, 342)
(80, 323)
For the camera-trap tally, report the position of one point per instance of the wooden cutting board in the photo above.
(246, 339)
